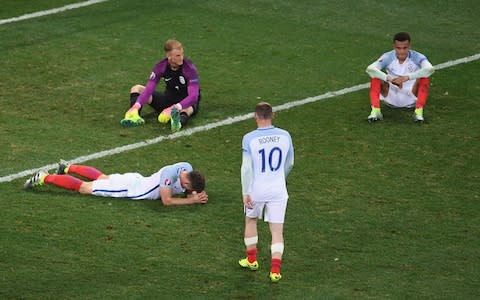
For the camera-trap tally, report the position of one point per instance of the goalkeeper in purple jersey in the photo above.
(181, 97)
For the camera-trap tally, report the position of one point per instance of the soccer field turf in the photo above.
(376, 211)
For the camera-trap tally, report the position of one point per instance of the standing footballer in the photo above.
(266, 161)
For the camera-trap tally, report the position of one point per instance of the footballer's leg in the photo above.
(275, 214)
(420, 89)
(187, 113)
(276, 248)
(63, 181)
(135, 92)
(250, 240)
(71, 183)
(88, 172)
(132, 116)
(376, 87)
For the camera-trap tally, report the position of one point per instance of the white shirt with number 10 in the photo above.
(268, 155)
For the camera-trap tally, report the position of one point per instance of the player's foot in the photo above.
(418, 115)
(62, 167)
(132, 118)
(244, 263)
(184, 118)
(35, 180)
(275, 277)
(175, 124)
(375, 115)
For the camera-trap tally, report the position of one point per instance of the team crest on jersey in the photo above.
(153, 76)
(167, 182)
(411, 68)
(182, 79)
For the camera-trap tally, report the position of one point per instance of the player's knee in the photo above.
(85, 188)
(137, 89)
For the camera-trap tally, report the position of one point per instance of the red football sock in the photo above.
(375, 85)
(423, 87)
(252, 255)
(84, 171)
(64, 181)
(276, 264)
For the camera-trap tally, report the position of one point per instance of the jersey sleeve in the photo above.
(168, 177)
(246, 170)
(374, 70)
(157, 73)
(193, 85)
(289, 161)
(426, 68)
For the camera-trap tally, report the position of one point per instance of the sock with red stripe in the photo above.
(64, 181)
(423, 88)
(251, 255)
(85, 171)
(375, 85)
(276, 265)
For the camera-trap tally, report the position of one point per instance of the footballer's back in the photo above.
(269, 148)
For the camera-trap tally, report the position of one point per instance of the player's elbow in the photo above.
(166, 201)
(429, 70)
(370, 70)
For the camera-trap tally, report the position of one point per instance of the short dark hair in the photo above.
(197, 180)
(264, 111)
(401, 37)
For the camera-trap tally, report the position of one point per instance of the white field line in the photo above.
(228, 121)
(50, 11)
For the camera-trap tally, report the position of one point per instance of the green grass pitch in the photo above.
(376, 211)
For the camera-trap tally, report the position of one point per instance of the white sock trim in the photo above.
(277, 248)
(250, 241)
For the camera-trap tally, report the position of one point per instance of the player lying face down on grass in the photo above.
(168, 184)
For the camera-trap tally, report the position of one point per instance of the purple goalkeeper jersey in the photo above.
(182, 84)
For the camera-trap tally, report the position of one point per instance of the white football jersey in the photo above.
(269, 148)
(137, 187)
(390, 62)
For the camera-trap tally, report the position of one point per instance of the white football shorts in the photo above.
(272, 211)
(128, 185)
(400, 97)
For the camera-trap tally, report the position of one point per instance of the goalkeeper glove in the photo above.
(166, 114)
(132, 118)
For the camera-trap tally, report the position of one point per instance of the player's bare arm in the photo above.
(194, 198)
